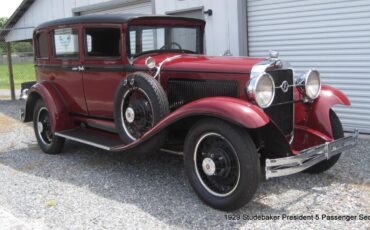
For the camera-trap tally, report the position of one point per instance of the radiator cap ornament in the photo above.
(274, 54)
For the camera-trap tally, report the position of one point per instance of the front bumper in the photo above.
(309, 157)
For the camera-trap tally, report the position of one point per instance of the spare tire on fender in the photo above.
(140, 103)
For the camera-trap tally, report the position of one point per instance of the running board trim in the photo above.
(172, 152)
(83, 141)
(98, 139)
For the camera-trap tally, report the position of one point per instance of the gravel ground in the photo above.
(87, 188)
(5, 94)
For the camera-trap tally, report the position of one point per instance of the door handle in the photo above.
(78, 68)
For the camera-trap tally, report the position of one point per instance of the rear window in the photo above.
(103, 42)
(42, 45)
(66, 43)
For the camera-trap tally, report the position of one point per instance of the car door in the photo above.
(103, 69)
(66, 62)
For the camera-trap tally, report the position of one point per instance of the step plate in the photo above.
(91, 137)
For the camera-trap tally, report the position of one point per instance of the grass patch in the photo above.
(22, 73)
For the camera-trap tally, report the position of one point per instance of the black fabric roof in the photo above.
(104, 18)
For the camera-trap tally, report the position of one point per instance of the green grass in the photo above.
(22, 73)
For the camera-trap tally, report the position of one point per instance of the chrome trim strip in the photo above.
(309, 157)
(270, 64)
(83, 141)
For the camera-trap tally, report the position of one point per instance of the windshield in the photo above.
(146, 39)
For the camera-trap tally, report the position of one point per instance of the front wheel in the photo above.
(48, 142)
(221, 163)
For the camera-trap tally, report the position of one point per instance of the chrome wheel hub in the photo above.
(130, 115)
(209, 166)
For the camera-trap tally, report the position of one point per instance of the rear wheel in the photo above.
(338, 133)
(221, 163)
(48, 142)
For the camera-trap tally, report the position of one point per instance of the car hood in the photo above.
(200, 63)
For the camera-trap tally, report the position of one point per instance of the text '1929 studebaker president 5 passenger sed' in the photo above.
(138, 84)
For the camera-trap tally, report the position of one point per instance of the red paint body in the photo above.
(56, 104)
(88, 96)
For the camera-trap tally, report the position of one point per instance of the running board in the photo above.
(98, 139)
(92, 138)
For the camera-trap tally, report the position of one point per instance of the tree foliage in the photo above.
(22, 47)
(17, 47)
(2, 44)
(2, 22)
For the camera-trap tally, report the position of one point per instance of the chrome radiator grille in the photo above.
(281, 111)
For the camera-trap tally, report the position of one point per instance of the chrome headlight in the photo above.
(311, 83)
(261, 89)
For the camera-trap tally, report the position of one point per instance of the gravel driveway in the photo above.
(87, 188)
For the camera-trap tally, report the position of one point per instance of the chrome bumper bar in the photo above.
(309, 157)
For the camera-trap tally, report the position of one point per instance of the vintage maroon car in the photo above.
(131, 83)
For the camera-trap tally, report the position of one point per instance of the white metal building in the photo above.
(330, 35)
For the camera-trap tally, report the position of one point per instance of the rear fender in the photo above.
(59, 117)
(319, 118)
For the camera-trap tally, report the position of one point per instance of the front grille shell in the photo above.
(281, 111)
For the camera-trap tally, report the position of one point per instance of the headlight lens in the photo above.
(312, 84)
(262, 90)
(150, 62)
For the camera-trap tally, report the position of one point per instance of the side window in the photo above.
(149, 39)
(66, 43)
(152, 39)
(42, 45)
(103, 42)
(133, 42)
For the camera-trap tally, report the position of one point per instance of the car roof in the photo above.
(107, 18)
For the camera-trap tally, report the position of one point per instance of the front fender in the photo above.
(59, 116)
(319, 118)
(233, 110)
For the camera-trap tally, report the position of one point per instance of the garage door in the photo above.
(330, 35)
(140, 8)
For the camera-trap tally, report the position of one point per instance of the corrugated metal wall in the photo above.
(330, 35)
(222, 27)
(140, 8)
(46, 10)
